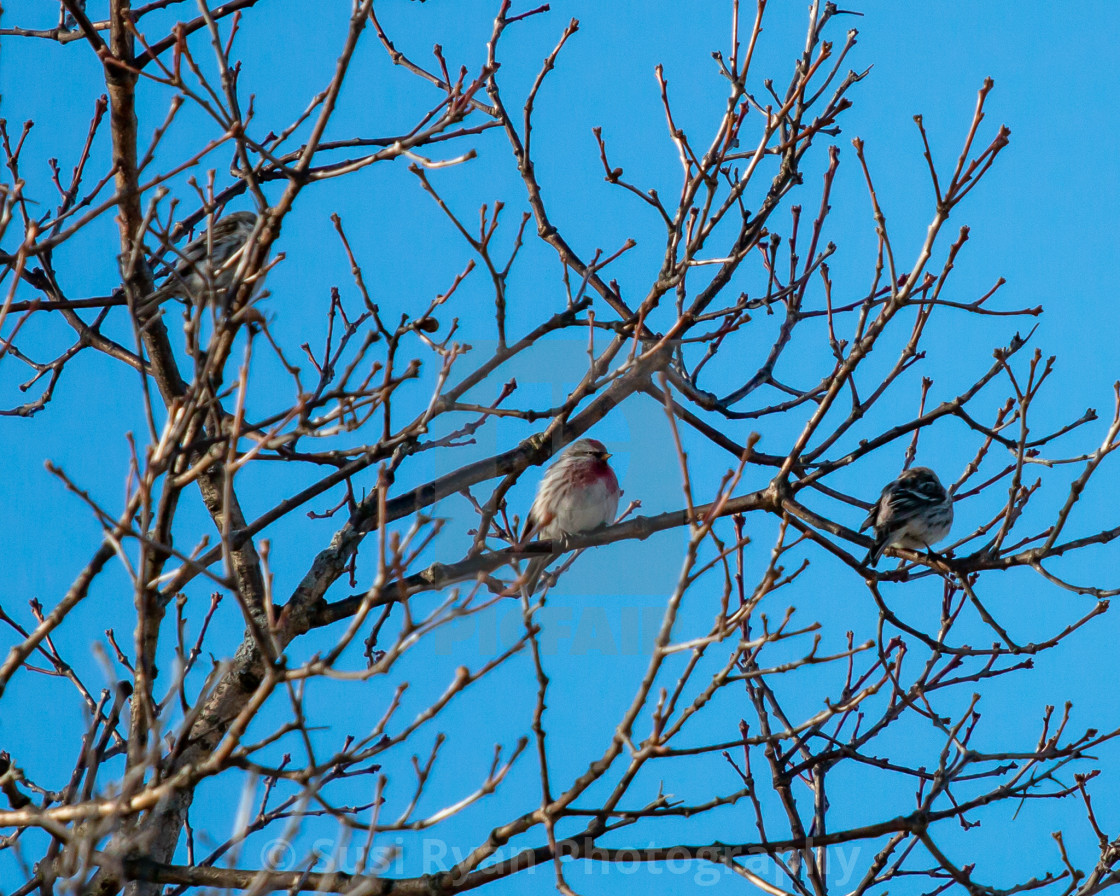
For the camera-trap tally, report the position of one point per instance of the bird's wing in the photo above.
(536, 520)
(872, 516)
(907, 501)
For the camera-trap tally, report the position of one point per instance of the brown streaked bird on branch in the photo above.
(208, 264)
(577, 494)
(914, 511)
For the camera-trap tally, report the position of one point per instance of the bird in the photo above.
(209, 263)
(913, 511)
(577, 494)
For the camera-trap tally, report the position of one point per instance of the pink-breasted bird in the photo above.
(913, 511)
(578, 493)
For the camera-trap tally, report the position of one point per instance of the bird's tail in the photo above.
(534, 571)
(149, 305)
(876, 552)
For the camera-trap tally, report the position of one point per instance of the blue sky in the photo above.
(1043, 220)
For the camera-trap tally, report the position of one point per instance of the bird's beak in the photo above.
(607, 456)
